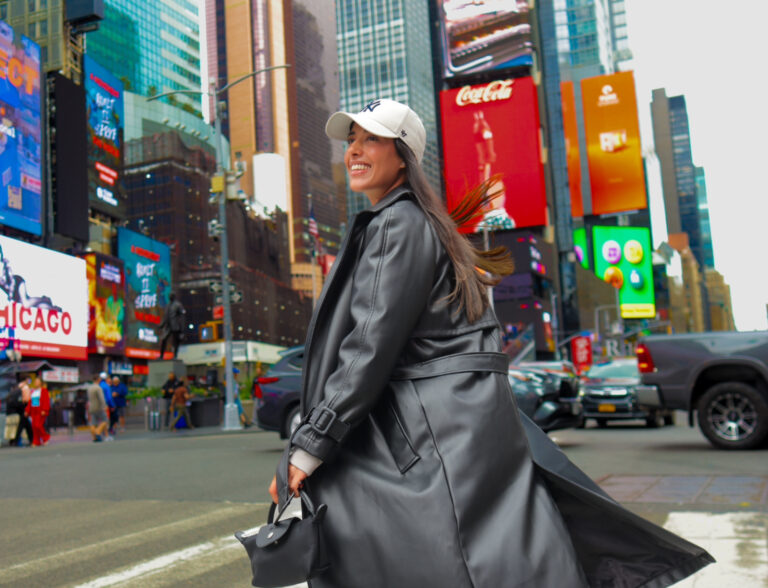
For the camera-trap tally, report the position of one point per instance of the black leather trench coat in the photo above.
(431, 477)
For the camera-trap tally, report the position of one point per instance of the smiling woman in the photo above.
(373, 164)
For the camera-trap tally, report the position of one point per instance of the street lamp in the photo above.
(218, 186)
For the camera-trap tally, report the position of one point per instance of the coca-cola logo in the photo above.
(493, 92)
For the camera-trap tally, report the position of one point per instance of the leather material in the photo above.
(439, 481)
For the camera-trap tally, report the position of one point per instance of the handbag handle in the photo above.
(283, 490)
(275, 513)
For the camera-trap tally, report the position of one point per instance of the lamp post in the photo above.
(219, 187)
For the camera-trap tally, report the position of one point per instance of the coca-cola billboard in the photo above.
(491, 129)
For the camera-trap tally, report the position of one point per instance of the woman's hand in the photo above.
(296, 479)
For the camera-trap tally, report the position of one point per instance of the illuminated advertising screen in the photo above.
(572, 156)
(20, 132)
(623, 259)
(104, 112)
(106, 302)
(491, 129)
(580, 247)
(147, 286)
(614, 155)
(484, 35)
(43, 301)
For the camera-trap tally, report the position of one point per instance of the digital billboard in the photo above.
(580, 247)
(104, 112)
(484, 35)
(614, 154)
(43, 301)
(623, 259)
(20, 132)
(106, 301)
(491, 129)
(147, 286)
(572, 156)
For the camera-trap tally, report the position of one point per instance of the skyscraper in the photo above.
(708, 254)
(152, 46)
(385, 52)
(671, 136)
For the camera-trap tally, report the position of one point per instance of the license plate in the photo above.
(606, 408)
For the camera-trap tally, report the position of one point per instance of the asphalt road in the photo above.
(156, 509)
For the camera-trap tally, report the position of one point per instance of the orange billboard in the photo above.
(613, 143)
(572, 157)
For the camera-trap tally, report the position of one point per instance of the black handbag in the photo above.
(289, 551)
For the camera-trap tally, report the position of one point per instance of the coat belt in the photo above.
(454, 364)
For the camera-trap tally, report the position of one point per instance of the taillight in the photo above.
(257, 391)
(644, 360)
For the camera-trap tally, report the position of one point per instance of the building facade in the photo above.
(385, 52)
(707, 251)
(152, 47)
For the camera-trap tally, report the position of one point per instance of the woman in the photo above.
(37, 410)
(411, 436)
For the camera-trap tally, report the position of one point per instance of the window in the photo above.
(31, 5)
(31, 30)
(43, 28)
(3, 12)
(43, 54)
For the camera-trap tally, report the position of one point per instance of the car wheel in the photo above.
(654, 420)
(733, 415)
(602, 423)
(669, 420)
(582, 423)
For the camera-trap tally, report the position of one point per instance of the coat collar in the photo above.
(392, 197)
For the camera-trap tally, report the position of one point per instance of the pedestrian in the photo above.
(97, 411)
(119, 398)
(17, 404)
(411, 435)
(38, 408)
(179, 404)
(169, 387)
(107, 390)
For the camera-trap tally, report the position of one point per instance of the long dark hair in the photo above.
(469, 291)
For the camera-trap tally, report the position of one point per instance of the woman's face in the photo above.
(373, 165)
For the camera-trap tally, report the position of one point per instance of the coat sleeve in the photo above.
(391, 287)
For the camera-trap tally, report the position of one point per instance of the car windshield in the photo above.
(614, 369)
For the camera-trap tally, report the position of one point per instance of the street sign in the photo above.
(215, 287)
(234, 298)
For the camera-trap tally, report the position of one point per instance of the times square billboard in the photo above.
(104, 115)
(614, 155)
(147, 286)
(20, 132)
(484, 35)
(623, 258)
(106, 302)
(491, 129)
(43, 301)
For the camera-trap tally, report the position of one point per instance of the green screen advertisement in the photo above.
(580, 247)
(623, 258)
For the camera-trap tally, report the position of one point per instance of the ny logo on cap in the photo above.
(371, 106)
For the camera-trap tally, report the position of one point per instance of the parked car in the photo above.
(541, 395)
(610, 393)
(566, 373)
(277, 392)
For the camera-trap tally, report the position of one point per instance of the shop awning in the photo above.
(25, 366)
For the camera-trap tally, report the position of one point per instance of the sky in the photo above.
(714, 53)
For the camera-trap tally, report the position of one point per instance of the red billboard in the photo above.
(572, 156)
(612, 131)
(493, 129)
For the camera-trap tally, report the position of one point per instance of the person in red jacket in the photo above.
(38, 408)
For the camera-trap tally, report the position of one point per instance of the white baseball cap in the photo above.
(384, 118)
(103, 375)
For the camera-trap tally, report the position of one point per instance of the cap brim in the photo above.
(338, 126)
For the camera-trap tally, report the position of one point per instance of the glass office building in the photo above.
(153, 46)
(707, 251)
(385, 52)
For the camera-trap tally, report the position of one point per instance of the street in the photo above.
(159, 509)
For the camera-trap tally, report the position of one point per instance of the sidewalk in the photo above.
(134, 429)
